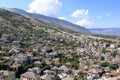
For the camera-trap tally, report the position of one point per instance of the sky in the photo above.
(87, 13)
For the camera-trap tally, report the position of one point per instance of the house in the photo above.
(112, 46)
(63, 69)
(21, 58)
(68, 78)
(69, 64)
(49, 72)
(110, 78)
(9, 62)
(90, 76)
(52, 55)
(81, 50)
(62, 75)
(57, 61)
(1, 76)
(94, 73)
(29, 76)
(37, 63)
(7, 37)
(16, 44)
(5, 74)
(15, 66)
(48, 61)
(14, 50)
(53, 68)
(48, 77)
(36, 70)
(118, 50)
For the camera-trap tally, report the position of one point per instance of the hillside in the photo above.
(107, 31)
(11, 22)
(31, 46)
(52, 21)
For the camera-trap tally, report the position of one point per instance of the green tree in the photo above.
(80, 74)
(84, 78)
(113, 66)
(105, 64)
(57, 78)
(113, 54)
(75, 63)
(102, 58)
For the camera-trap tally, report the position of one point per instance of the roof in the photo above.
(53, 68)
(49, 72)
(114, 73)
(63, 68)
(47, 77)
(37, 62)
(30, 75)
(62, 75)
(7, 73)
(68, 78)
(92, 70)
(15, 65)
(7, 34)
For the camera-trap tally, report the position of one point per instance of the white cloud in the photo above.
(63, 18)
(45, 7)
(84, 22)
(83, 16)
(80, 14)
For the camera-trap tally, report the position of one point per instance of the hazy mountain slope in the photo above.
(11, 22)
(52, 21)
(107, 31)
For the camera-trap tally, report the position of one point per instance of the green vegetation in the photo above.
(5, 54)
(57, 78)
(3, 67)
(102, 58)
(113, 54)
(23, 69)
(6, 14)
(81, 74)
(75, 62)
(40, 40)
(105, 64)
(64, 59)
(113, 66)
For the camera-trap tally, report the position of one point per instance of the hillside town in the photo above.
(58, 55)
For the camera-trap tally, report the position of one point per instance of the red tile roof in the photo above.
(7, 34)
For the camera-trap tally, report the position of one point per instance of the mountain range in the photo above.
(63, 24)
(106, 31)
(51, 20)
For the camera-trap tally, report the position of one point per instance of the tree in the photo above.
(0, 48)
(75, 63)
(113, 54)
(102, 58)
(3, 67)
(105, 64)
(84, 78)
(57, 78)
(113, 66)
(80, 74)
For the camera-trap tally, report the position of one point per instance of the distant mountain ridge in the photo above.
(53, 21)
(106, 31)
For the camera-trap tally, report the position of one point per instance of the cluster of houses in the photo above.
(91, 53)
